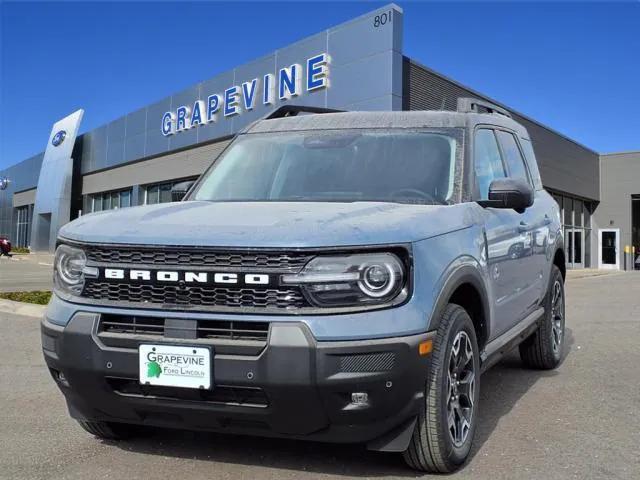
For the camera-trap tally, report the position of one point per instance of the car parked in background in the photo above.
(5, 246)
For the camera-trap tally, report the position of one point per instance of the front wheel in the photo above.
(543, 349)
(446, 424)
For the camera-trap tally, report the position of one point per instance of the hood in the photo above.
(268, 224)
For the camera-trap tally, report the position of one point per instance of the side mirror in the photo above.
(179, 190)
(513, 193)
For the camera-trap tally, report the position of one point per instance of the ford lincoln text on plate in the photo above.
(341, 277)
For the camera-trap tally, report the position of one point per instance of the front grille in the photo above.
(131, 325)
(229, 330)
(228, 395)
(263, 298)
(205, 329)
(181, 256)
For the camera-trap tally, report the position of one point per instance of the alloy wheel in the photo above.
(557, 316)
(461, 382)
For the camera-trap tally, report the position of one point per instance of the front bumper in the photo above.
(293, 386)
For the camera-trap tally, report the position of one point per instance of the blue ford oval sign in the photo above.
(4, 183)
(58, 138)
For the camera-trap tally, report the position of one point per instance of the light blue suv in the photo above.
(341, 277)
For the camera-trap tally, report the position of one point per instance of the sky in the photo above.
(572, 66)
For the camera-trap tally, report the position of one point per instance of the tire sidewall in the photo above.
(457, 455)
(556, 275)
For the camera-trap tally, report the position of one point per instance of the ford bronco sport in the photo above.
(340, 277)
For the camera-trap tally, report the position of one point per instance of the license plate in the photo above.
(174, 366)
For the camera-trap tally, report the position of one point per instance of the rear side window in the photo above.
(487, 162)
(527, 147)
(515, 162)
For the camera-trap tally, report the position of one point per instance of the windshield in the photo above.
(340, 166)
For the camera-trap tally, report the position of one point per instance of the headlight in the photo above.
(69, 267)
(351, 280)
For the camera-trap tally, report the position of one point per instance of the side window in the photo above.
(527, 147)
(515, 162)
(487, 162)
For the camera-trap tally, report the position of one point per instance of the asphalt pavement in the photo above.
(26, 272)
(581, 421)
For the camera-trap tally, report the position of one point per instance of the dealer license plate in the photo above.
(174, 366)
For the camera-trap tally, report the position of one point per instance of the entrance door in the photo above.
(575, 247)
(609, 245)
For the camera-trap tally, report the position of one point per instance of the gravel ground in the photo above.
(581, 421)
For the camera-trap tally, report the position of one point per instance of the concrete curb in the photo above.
(591, 273)
(20, 308)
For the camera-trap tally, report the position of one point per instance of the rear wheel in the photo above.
(444, 432)
(109, 430)
(543, 349)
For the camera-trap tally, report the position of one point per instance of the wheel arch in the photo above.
(465, 286)
(560, 261)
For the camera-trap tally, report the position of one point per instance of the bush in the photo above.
(20, 250)
(37, 297)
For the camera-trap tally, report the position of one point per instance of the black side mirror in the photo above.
(179, 190)
(514, 193)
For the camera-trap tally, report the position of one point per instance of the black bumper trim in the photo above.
(308, 391)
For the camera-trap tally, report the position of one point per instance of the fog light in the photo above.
(59, 376)
(359, 398)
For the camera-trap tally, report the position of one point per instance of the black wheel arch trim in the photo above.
(465, 273)
(559, 247)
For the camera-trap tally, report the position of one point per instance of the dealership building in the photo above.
(358, 65)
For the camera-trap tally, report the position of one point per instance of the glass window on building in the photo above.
(160, 192)
(95, 204)
(152, 195)
(577, 213)
(115, 200)
(576, 218)
(567, 204)
(165, 193)
(23, 226)
(111, 200)
(125, 198)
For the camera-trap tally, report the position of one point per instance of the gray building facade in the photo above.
(358, 65)
(617, 218)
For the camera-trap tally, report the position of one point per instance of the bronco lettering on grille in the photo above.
(177, 276)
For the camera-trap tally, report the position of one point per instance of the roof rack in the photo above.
(293, 110)
(470, 105)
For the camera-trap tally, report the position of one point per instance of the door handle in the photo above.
(546, 221)
(523, 227)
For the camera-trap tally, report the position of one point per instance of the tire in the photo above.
(543, 349)
(109, 430)
(433, 447)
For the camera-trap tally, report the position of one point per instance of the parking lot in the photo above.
(26, 272)
(581, 421)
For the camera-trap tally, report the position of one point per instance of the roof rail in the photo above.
(293, 110)
(470, 105)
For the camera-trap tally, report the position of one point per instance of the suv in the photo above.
(340, 277)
